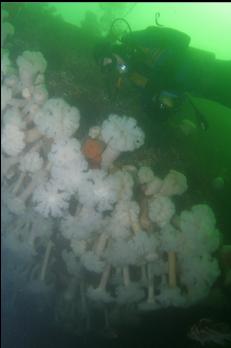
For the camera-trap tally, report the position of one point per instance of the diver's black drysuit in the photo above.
(163, 56)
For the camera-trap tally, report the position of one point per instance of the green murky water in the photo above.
(50, 269)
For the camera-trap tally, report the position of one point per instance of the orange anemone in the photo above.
(92, 150)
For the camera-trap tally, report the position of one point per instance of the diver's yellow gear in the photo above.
(138, 79)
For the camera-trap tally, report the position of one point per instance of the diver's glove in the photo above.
(164, 104)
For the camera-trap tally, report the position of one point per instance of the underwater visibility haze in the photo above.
(115, 174)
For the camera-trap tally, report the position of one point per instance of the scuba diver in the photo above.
(177, 85)
(160, 63)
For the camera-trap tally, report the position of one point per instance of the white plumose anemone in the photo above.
(30, 64)
(145, 175)
(57, 120)
(31, 162)
(64, 152)
(120, 134)
(161, 210)
(12, 140)
(49, 201)
(99, 190)
(174, 183)
(199, 229)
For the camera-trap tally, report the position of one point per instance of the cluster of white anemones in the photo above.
(140, 247)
